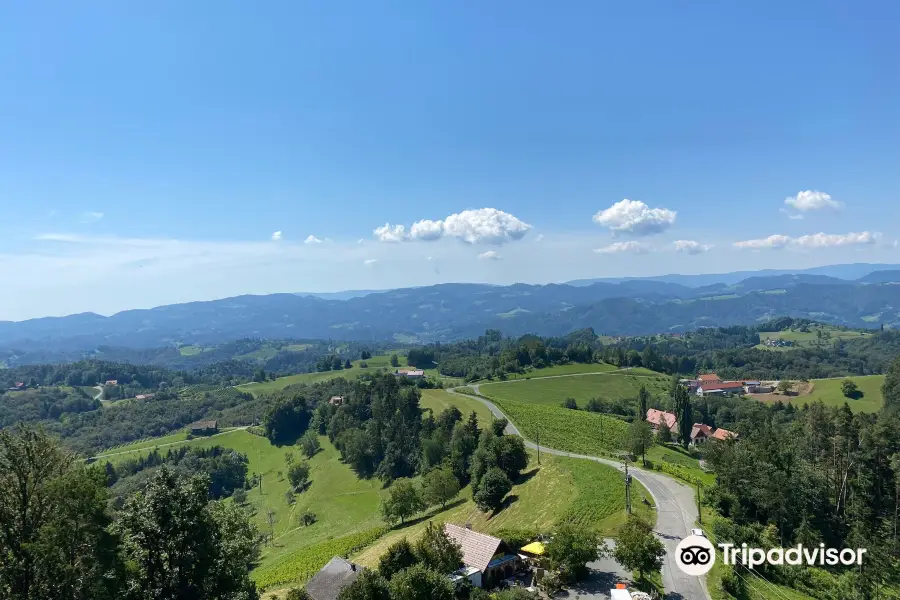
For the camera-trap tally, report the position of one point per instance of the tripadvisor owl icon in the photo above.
(695, 555)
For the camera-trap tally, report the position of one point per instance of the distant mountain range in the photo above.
(454, 311)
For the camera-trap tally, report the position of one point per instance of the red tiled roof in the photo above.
(656, 417)
(709, 377)
(701, 427)
(722, 385)
(477, 548)
(723, 434)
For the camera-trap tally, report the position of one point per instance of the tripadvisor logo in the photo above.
(695, 555)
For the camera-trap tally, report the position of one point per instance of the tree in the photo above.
(439, 486)
(663, 433)
(570, 403)
(571, 548)
(640, 437)
(437, 551)
(297, 594)
(180, 545)
(298, 475)
(492, 488)
(398, 557)
(239, 496)
(891, 388)
(849, 388)
(365, 354)
(309, 443)
(286, 420)
(53, 522)
(637, 549)
(785, 387)
(420, 583)
(370, 585)
(684, 414)
(395, 361)
(348, 364)
(403, 501)
(259, 376)
(643, 401)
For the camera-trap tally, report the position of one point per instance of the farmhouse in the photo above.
(700, 433)
(19, 385)
(720, 387)
(410, 373)
(657, 417)
(336, 400)
(485, 553)
(112, 382)
(708, 379)
(332, 578)
(723, 434)
(204, 428)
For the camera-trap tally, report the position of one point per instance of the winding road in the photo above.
(675, 506)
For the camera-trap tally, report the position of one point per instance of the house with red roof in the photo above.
(700, 432)
(657, 417)
(723, 434)
(720, 387)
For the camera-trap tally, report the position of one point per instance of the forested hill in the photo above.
(449, 312)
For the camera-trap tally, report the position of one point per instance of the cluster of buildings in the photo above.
(18, 386)
(709, 384)
(700, 432)
(777, 343)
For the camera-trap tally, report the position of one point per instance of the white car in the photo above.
(698, 532)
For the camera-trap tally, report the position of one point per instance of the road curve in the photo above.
(675, 506)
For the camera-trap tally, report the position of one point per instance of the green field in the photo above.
(190, 350)
(829, 392)
(558, 490)
(374, 363)
(438, 400)
(554, 390)
(807, 339)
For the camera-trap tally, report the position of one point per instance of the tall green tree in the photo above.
(370, 585)
(684, 413)
(643, 402)
(437, 551)
(178, 545)
(640, 438)
(492, 489)
(53, 523)
(421, 583)
(891, 388)
(637, 549)
(571, 548)
(439, 486)
(403, 501)
(398, 556)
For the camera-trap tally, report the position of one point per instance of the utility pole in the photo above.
(537, 438)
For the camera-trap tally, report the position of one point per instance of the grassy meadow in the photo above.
(811, 338)
(829, 392)
(553, 391)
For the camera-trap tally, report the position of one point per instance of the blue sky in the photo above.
(148, 155)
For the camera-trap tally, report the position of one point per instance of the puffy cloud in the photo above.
(824, 240)
(539, 237)
(427, 230)
(485, 226)
(311, 239)
(389, 233)
(812, 200)
(91, 217)
(620, 247)
(370, 261)
(478, 226)
(815, 240)
(276, 236)
(635, 218)
(691, 247)
(773, 241)
(489, 255)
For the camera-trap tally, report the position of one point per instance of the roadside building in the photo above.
(204, 428)
(332, 578)
(487, 554)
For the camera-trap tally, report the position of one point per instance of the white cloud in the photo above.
(824, 240)
(635, 218)
(389, 233)
(773, 241)
(489, 255)
(311, 239)
(812, 200)
(478, 226)
(360, 241)
(276, 236)
(485, 226)
(91, 217)
(797, 217)
(815, 240)
(370, 261)
(691, 247)
(620, 247)
(427, 230)
(539, 237)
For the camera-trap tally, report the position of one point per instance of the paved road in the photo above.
(675, 506)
